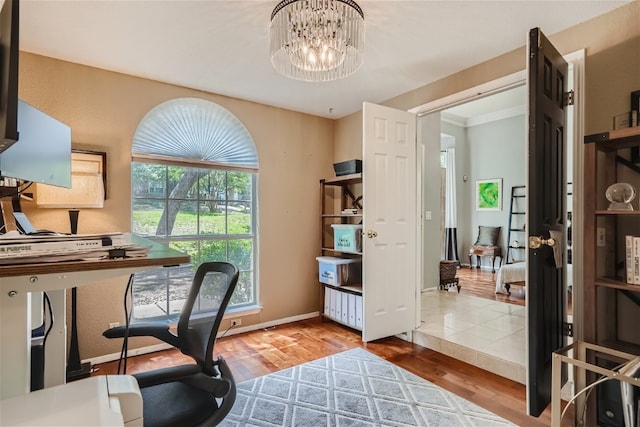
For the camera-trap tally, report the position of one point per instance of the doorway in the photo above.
(488, 139)
(430, 122)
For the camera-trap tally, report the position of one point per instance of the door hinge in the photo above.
(569, 98)
(567, 329)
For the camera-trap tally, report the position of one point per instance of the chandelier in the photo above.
(317, 40)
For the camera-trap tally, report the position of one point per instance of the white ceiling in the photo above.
(223, 46)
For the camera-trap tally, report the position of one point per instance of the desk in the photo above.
(16, 284)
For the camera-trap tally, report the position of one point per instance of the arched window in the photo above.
(193, 186)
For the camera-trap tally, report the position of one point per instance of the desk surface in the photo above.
(160, 255)
(17, 282)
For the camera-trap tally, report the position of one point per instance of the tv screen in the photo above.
(9, 24)
(43, 153)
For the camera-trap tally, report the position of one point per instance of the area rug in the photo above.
(353, 388)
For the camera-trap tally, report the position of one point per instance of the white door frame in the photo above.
(576, 62)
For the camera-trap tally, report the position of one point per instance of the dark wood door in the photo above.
(547, 81)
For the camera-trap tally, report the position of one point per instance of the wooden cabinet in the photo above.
(612, 306)
(341, 303)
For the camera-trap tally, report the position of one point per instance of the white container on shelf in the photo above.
(339, 271)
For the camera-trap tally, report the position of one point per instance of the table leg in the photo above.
(493, 264)
(55, 366)
(15, 353)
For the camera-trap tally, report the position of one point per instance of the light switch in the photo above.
(600, 237)
(427, 215)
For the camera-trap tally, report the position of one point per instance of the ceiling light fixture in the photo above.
(317, 40)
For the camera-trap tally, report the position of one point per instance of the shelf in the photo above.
(350, 289)
(343, 180)
(615, 139)
(341, 252)
(607, 212)
(342, 216)
(341, 322)
(627, 347)
(609, 282)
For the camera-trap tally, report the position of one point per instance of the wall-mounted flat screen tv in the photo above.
(43, 153)
(9, 24)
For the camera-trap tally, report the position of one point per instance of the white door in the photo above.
(390, 273)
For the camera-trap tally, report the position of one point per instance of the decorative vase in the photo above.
(620, 196)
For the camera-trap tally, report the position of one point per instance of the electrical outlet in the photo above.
(600, 237)
(236, 322)
(114, 325)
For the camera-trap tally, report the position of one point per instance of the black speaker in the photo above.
(609, 399)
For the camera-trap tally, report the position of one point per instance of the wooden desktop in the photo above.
(19, 280)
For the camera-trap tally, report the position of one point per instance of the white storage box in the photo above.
(347, 237)
(339, 271)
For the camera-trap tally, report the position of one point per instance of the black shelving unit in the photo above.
(516, 236)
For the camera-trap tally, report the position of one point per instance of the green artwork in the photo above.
(488, 196)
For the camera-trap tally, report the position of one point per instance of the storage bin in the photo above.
(347, 168)
(339, 271)
(347, 237)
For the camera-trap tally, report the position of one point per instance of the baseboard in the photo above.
(163, 346)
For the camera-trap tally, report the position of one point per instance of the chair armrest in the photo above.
(157, 330)
(166, 375)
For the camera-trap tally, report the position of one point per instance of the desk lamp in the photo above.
(87, 191)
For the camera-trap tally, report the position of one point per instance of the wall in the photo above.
(496, 150)
(103, 109)
(429, 152)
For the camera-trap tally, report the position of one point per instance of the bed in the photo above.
(510, 274)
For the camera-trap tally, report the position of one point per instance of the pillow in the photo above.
(487, 236)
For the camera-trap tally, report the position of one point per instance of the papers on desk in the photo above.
(24, 249)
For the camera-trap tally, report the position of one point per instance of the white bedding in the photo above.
(510, 273)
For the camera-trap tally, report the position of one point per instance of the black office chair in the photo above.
(199, 394)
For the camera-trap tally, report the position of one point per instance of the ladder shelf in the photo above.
(516, 235)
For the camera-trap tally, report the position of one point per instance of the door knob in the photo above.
(535, 242)
(371, 234)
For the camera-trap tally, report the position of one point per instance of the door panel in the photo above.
(390, 215)
(546, 310)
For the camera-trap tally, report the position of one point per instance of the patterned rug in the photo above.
(353, 388)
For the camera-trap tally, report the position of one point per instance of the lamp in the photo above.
(87, 191)
(317, 40)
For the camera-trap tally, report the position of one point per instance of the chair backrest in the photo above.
(211, 290)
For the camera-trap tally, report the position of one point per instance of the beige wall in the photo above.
(103, 110)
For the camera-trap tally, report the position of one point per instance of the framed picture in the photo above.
(489, 194)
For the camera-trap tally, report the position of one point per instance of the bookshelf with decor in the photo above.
(340, 260)
(611, 299)
(610, 339)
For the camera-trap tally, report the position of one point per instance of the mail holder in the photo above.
(579, 354)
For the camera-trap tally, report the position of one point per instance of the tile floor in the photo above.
(485, 333)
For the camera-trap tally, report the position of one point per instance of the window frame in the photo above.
(250, 306)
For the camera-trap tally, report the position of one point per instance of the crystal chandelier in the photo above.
(317, 40)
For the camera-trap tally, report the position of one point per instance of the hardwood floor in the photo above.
(261, 352)
(482, 283)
